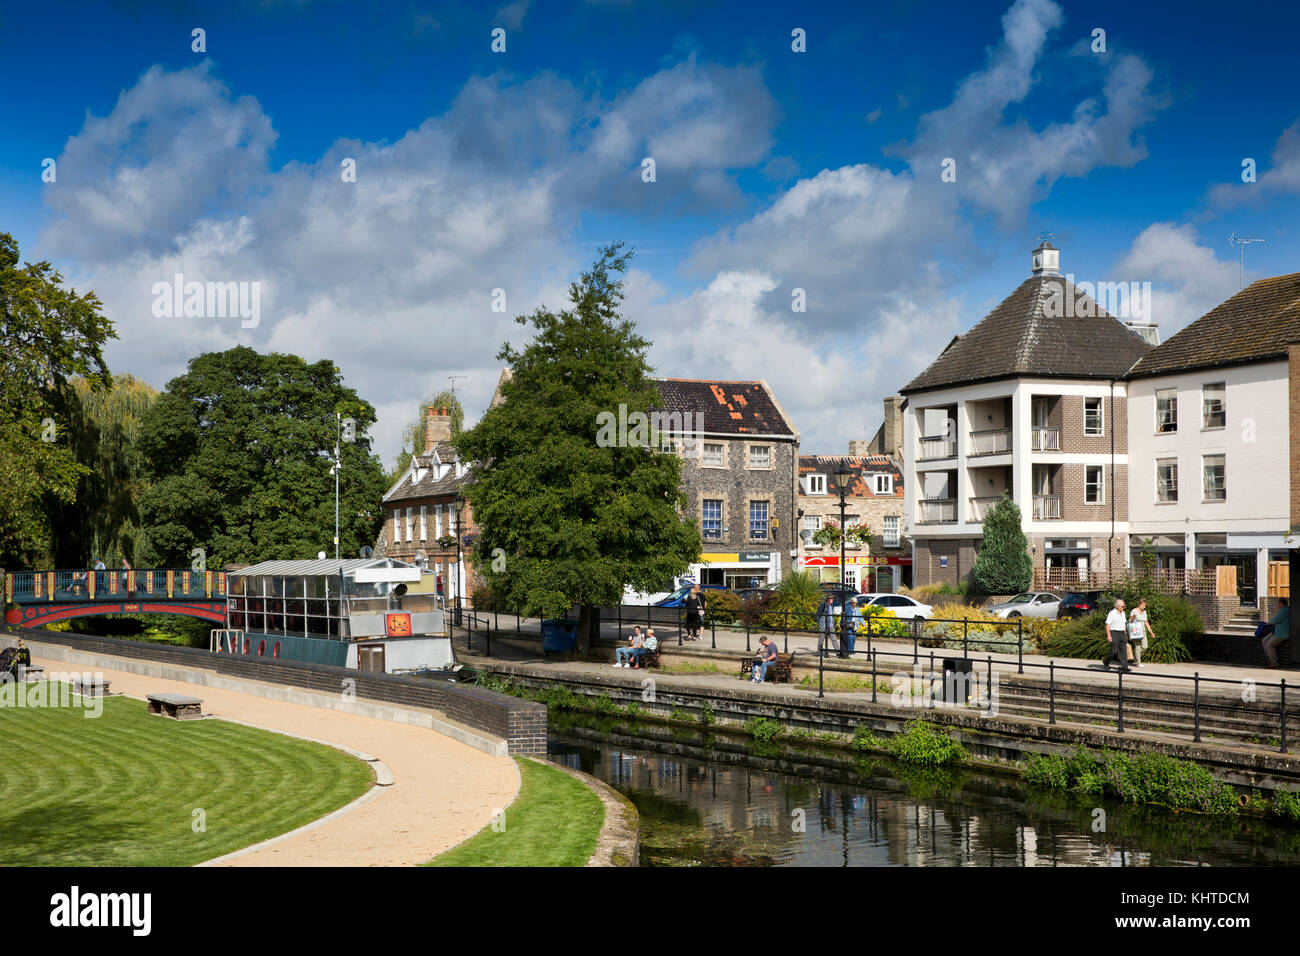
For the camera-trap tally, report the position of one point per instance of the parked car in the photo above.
(840, 593)
(1079, 603)
(1042, 604)
(746, 593)
(901, 605)
(642, 598)
(678, 597)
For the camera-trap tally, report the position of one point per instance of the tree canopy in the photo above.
(48, 334)
(560, 519)
(239, 450)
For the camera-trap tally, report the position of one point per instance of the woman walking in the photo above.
(1139, 628)
(695, 608)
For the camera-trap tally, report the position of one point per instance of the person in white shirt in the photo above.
(1116, 625)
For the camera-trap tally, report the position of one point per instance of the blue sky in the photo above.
(775, 170)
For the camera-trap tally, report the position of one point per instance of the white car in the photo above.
(642, 598)
(901, 605)
(1029, 604)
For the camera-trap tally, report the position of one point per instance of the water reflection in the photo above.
(718, 803)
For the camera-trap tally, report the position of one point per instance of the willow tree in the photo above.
(563, 519)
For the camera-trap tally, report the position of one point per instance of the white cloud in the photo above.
(1187, 278)
(1280, 177)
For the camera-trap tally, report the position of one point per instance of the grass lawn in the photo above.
(553, 822)
(121, 789)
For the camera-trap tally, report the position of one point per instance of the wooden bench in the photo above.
(649, 658)
(175, 705)
(90, 686)
(30, 673)
(781, 671)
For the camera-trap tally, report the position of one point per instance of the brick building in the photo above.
(1030, 403)
(873, 487)
(740, 460)
(425, 516)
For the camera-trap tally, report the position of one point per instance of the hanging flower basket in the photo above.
(828, 535)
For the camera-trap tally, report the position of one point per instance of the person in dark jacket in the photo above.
(695, 608)
(826, 626)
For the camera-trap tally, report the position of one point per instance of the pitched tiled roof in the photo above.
(430, 485)
(728, 408)
(1254, 325)
(860, 466)
(1019, 337)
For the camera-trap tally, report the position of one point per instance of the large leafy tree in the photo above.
(1004, 565)
(560, 519)
(413, 434)
(48, 334)
(104, 519)
(239, 451)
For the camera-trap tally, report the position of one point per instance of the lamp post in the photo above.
(338, 466)
(842, 475)
(457, 506)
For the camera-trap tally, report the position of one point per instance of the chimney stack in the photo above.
(437, 428)
(893, 436)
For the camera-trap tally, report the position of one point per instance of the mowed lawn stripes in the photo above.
(121, 789)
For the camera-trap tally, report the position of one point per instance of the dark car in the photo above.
(1079, 603)
(678, 597)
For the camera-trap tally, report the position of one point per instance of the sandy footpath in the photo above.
(443, 791)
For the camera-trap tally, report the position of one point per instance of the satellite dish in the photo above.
(366, 552)
(320, 555)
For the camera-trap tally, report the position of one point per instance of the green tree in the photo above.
(239, 451)
(104, 519)
(413, 434)
(1004, 565)
(575, 522)
(48, 334)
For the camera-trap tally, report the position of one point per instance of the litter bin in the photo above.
(559, 634)
(957, 673)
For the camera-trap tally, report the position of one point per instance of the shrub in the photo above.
(1286, 805)
(986, 632)
(723, 607)
(763, 729)
(884, 622)
(796, 598)
(707, 716)
(1176, 624)
(484, 597)
(1004, 563)
(1046, 770)
(1140, 778)
(864, 741)
(922, 745)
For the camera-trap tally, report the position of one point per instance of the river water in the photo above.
(718, 801)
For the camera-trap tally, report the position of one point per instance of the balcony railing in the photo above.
(1046, 439)
(979, 507)
(1047, 506)
(938, 510)
(937, 446)
(990, 441)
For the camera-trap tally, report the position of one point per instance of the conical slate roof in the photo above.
(1045, 328)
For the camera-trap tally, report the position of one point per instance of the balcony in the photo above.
(938, 510)
(1047, 507)
(979, 507)
(990, 441)
(937, 446)
(1046, 439)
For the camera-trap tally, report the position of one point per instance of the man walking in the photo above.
(854, 621)
(1115, 624)
(826, 625)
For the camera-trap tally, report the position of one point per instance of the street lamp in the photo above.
(457, 506)
(338, 466)
(842, 475)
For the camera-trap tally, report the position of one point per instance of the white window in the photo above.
(397, 524)
(1166, 410)
(891, 531)
(884, 484)
(437, 521)
(1216, 488)
(760, 456)
(410, 524)
(1167, 479)
(1093, 423)
(452, 525)
(816, 484)
(1213, 410)
(1094, 484)
(424, 523)
(712, 454)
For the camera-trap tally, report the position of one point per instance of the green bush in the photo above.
(1003, 565)
(1176, 624)
(864, 741)
(1046, 770)
(707, 716)
(483, 597)
(1286, 805)
(796, 600)
(1138, 778)
(883, 621)
(763, 729)
(922, 745)
(723, 608)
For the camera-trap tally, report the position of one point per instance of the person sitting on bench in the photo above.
(633, 645)
(766, 658)
(1279, 631)
(648, 646)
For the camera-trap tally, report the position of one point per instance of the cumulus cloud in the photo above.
(1280, 178)
(1187, 278)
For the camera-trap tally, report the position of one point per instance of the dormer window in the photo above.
(883, 484)
(816, 484)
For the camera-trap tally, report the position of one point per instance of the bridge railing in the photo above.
(110, 586)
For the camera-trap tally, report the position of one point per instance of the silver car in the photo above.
(1029, 604)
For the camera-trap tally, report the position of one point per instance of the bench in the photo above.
(90, 686)
(649, 658)
(781, 671)
(30, 673)
(175, 705)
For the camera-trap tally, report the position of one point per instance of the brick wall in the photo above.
(521, 723)
(1073, 506)
(961, 561)
(1215, 609)
(1074, 441)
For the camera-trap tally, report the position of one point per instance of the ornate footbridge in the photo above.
(43, 597)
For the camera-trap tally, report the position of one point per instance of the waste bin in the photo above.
(559, 634)
(957, 673)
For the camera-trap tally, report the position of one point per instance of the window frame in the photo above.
(1101, 417)
(1161, 462)
(897, 539)
(815, 480)
(1223, 406)
(1100, 484)
(704, 454)
(721, 519)
(882, 478)
(1174, 417)
(749, 456)
(767, 519)
(1223, 484)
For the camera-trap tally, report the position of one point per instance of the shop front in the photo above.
(869, 573)
(735, 570)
